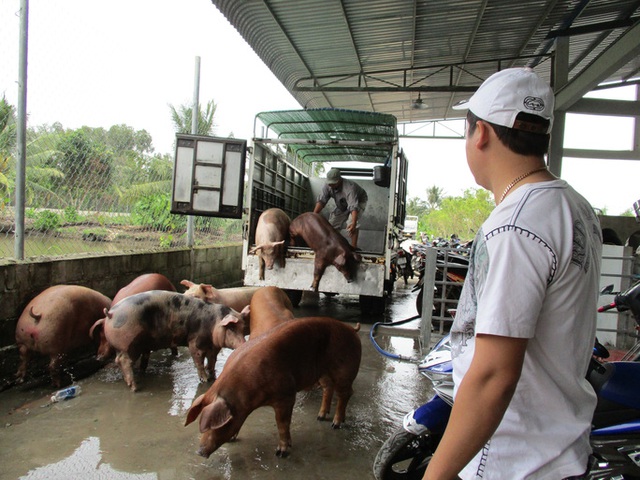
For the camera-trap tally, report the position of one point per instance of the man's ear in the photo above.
(481, 134)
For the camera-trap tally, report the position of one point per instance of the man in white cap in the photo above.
(350, 199)
(525, 324)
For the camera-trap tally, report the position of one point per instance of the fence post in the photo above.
(194, 131)
(429, 279)
(21, 132)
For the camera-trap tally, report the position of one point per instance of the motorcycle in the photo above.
(403, 265)
(615, 437)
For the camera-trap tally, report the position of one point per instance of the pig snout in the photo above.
(269, 262)
(233, 340)
(203, 452)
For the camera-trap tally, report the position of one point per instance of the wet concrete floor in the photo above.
(108, 432)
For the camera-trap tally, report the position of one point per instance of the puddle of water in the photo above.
(84, 462)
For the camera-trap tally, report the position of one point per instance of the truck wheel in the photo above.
(372, 305)
(295, 296)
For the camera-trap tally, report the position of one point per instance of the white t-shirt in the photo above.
(534, 273)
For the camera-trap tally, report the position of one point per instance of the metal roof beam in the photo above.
(425, 88)
(307, 141)
(599, 106)
(616, 56)
(602, 154)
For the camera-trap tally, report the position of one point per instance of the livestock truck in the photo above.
(285, 160)
(283, 171)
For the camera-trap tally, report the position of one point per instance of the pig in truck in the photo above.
(281, 175)
(209, 179)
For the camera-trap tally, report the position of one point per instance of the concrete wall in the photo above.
(22, 281)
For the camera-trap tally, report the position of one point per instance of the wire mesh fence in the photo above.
(88, 189)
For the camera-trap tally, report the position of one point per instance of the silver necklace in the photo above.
(519, 179)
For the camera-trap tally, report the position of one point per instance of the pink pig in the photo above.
(157, 319)
(272, 235)
(56, 322)
(143, 283)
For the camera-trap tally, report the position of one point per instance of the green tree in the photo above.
(460, 215)
(435, 196)
(183, 115)
(417, 206)
(87, 168)
(7, 145)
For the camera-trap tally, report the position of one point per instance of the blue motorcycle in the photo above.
(615, 437)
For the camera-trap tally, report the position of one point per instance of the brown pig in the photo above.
(236, 298)
(143, 283)
(270, 306)
(56, 322)
(293, 356)
(272, 232)
(158, 319)
(329, 246)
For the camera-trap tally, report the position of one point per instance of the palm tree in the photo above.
(7, 141)
(182, 116)
(434, 197)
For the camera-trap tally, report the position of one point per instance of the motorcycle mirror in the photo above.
(607, 290)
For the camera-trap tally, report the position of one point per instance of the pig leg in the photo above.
(343, 394)
(260, 267)
(318, 270)
(284, 411)
(144, 361)
(327, 396)
(212, 356)
(126, 366)
(25, 354)
(55, 368)
(198, 358)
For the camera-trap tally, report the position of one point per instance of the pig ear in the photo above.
(275, 244)
(187, 283)
(229, 319)
(255, 249)
(340, 260)
(215, 415)
(194, 410)
(208, 290)
(246, 311)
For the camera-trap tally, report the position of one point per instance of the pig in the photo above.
(159, 319)
(272, 232)
(292, 356)
(269, 307)
(143, 283)
(56, 322)
(329, 246)
(236, 298)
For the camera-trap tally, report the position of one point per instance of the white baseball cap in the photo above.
(508, 92)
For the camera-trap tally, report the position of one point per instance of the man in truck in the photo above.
(350, 199)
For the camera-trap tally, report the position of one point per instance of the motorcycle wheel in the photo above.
(405, 456)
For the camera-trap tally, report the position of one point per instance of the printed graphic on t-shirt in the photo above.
(579, 254)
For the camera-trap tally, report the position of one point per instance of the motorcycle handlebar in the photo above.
(604, 308)
(627, 300)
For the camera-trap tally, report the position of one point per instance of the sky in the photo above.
(125, 61)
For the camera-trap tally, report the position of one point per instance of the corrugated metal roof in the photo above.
(327, 135)
(379, 55)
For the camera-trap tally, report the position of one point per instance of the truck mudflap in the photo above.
(298, 275)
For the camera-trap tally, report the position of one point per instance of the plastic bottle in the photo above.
(66, 393)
